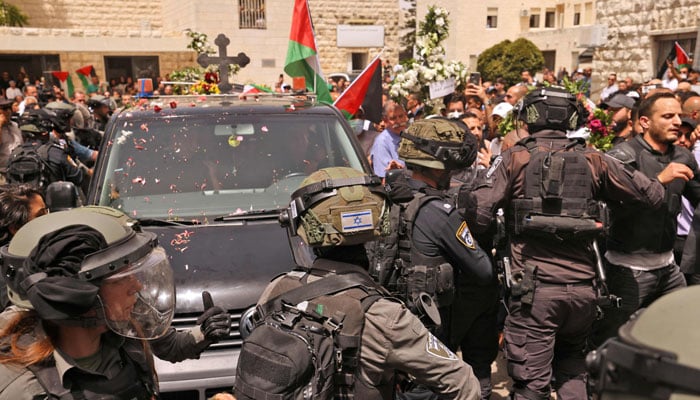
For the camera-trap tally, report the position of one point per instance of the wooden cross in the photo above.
(223, 61)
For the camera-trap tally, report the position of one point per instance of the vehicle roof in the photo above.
(204, 105)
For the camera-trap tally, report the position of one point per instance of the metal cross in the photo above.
(223, 61)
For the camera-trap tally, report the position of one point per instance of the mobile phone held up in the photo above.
(475, 78)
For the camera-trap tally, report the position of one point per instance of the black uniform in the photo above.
(547, 332)
(470, 323)
(647, 235)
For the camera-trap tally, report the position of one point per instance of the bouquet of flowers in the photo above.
(415, 75)
(598, 125)
(207, 86)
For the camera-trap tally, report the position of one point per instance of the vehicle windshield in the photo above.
(201, 167)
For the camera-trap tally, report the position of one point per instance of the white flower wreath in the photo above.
(416, 75)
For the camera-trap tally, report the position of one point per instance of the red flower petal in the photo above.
(173, 104)
(157, 108)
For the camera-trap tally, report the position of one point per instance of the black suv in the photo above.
(210, 176)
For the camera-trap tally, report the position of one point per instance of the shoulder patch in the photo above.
(494, 165)
(446, 207)
(465, 236)
(436, 348)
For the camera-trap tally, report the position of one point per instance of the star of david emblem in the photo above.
(357, 221)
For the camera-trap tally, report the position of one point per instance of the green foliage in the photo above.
(10, 15)
(507, 59)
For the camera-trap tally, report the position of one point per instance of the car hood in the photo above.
(233, 262)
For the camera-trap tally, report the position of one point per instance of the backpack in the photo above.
(422, 284)
(301, 346)
(28, 164)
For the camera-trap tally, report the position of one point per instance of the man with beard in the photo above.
(639, 256)
(621, 105)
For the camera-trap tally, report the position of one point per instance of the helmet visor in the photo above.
(139, 301)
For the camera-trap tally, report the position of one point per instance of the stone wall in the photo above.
(634, 27)
(327, 14)
(84, 31)
(92, 14)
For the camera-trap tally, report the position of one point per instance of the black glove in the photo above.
(215, 323)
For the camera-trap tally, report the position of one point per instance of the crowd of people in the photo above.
(532, 241)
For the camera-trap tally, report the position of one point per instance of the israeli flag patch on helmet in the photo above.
(356, 221)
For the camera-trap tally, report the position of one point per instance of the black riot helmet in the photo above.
(551, 107)
(43, 120)
(88, 267)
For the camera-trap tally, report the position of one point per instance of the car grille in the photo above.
(183, 322)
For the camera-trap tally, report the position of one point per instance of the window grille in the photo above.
(252, 14)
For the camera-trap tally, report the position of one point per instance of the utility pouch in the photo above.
(523, 284)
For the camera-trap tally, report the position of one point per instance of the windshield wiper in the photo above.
(167, 222)
(248, 215)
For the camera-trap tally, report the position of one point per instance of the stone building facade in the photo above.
(146, 37)
(641, 34)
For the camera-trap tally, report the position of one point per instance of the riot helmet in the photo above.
(551, 107)
(438, 143)
(338, 206)
(64, 112)
(654, 356)
(89, 267)
(41, 121)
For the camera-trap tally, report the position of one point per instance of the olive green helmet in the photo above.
(338, 206)
(438, 143)
(656, 354)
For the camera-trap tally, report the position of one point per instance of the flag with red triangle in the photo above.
(64, 77)
(682, 58)
(302, 57)
(83, 74)
(364, 91)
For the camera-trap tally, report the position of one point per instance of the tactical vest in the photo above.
(134, 381)
(558, 199)
(405, 272)
(637, 228)
(349, 306)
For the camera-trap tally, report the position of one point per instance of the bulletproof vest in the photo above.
(347, 306)
(558, 199)
(637, 228)
(398, 266)
(134, 381)
(31, 163)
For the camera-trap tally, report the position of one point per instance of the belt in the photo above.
(587, 283)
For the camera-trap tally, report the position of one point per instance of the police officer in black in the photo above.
(49, 141)
(549, 187)
(440, 241)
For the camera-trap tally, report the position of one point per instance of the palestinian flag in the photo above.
(302, 57)
(252, 88)
(365, 91)
(682, 58)
(83, 74)
(64, 77)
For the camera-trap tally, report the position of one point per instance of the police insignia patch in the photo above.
(464, 236)
(438, 349)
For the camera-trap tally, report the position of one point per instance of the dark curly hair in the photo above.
(15, 210)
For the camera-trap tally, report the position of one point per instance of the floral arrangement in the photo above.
(205, 80)
(415, 75)
(599, 121)
(207, 86)
(199, 42)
